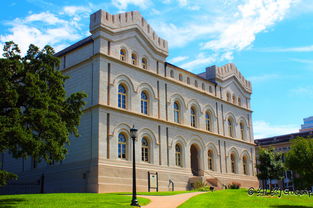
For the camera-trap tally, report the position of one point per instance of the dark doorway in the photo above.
(194, 159)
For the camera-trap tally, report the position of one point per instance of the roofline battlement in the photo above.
(227, 71)
(127, 20)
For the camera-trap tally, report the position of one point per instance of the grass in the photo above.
(68, 200)
(224, 198)
(240, 199)
(164, 193)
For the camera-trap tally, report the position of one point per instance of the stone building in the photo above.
(190, 126)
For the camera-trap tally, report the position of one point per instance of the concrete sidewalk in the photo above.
(169, 201)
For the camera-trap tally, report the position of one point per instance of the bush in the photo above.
(234, 185)
(206, 189)
(202, 186)
(199, 184)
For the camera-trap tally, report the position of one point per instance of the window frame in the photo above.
(122, 96)
(193, 117)
(178, 155)
(134, 58)
(177, 112)
(145, 150)
(144, 63)
(123, 56)
(230, 125)
(122, 145)
(208, 121)
(210, 160)
(233, 167)
(144, 103)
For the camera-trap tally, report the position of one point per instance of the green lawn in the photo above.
(164, 193)
(68, 201)
(240, 199)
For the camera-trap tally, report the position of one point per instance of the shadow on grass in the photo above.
(290, 206)
(10, 203)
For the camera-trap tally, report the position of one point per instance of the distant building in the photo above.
(190, 126)
(307, 124)
(282, 144)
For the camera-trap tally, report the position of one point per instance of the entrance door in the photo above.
(194, 160)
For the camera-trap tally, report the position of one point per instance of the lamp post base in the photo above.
(135, 203)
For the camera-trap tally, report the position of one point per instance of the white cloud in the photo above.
(303, 61)
(294, 49)
(201, 59)
(182, 2)
(224, 29)
(123, 4)
(263, 129)
(263, 78)
(45, 28)
(306, 91)
(178, 59)
(184, 35)
(73, 10)
(46, 17)
(251, 18)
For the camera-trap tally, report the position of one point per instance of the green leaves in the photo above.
(300, 160)
(36, 117)
(270, 164)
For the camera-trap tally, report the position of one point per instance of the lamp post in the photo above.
(133, 135)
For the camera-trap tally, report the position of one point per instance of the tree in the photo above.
(36, 116)
(300, 160)
(270, 165)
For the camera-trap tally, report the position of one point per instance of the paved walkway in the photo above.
(168, 201)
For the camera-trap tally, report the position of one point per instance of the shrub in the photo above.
(199, 184)
(234, 185)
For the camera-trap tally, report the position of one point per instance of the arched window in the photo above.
(180, 77)
(134, 59)
(233, 163)
(145, 150)
(144, 103)
(234, 99)
(228, 96)
(245, 165)
(178, 155)
(172, 73)
(123, 54)
(210, 89)
(192, 117)
(230, 127)
(176, 112)
(144, 63)
(208, 121)
(203, 86)
(188, 80)
(242, 130)
(122, 96)
(196, 83)
(122, 146)
(239, 101)
(210, 160)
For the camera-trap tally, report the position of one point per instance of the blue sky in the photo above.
(270, 41)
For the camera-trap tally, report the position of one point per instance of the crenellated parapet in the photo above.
(227, 71)
(125, 21)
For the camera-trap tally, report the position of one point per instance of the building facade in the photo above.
(282, 144)
(307, 124)
(190, 126)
